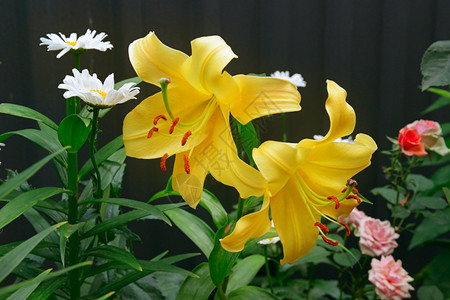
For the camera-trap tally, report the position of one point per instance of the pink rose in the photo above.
(377, 237)
(410, 142)
(431, 135)
(355, 217)
(390, 279)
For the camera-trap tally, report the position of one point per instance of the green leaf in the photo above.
(210, 202)
(429, 293)
(168, 191)
(435, 224)
(445, 128)
(13, 258)
(437, 273)
(152, 210)
(399, 211)
(316, 255)
(47, 288)
(114, 222)
(247, 137)
(27, 113)
(431, 202)
(345, 259)
(43, 139)
(442, 176)
(220, 260)
(435, 65)
(323, 287)
(14, 287)
(116, 254)
(251, 292)
(440, 102)
(197, 288)
(388, 193)
(17, 206)
(244, 271)
(102, 154)
(417, 182)
(25, 292)
(447, 194)
(194, 228)
(10, 185)
(119, 84)
(73, 131)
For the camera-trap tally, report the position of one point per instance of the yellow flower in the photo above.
(193, 122)
(306, 182)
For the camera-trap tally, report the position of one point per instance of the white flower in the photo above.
(349, 139)
(269, 241)
(295, 79)
(95, 93)
(86, 41)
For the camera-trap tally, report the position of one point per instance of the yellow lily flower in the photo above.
(192, 120)
(306, 182)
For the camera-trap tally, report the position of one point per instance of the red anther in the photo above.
(336, 201)
(151, 131)
(346, 228)
(174, 123)
(162, 164)
(355, 191)
(344, 190)
(322, 226)
(185, 138)
(352, 182)
(156, 119)
(330, 242)
(354, 197)
(187, 168)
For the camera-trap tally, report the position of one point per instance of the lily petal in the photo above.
(153, 60)
(262, 96)
(329, 165)
(249, 226)
(190, 186)
(294, 222)
(210, 55)
(277, 162)
(228, 168)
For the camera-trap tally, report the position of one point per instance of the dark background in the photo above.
(371, 48)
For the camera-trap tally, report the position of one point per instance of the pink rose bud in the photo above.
(410, 142)
(391, 281)
(430, 134)
(377, 237)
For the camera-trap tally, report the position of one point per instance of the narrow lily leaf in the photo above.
(197, 288)
(210, 202)
(102, 154)
(244, 272)
(251, 292)
(133, 276)
(441, 92)
(106, 296)
(220, 260)
(194, 228)
(119, 84)
(116, 254)
(10, 185)
(40, 138)
(73, 131)
(440, 102)
(14, 287)
(25, 292)
(168, 191)
(47, 289)
(13, 258)
(115, 222)
(132, 204)
(17, 206)
(65, 231)
(25, 112)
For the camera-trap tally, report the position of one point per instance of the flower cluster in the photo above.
(419, 136)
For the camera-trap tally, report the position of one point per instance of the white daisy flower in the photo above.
(269, 241)
(89, 40)
(349, 139)
(295, 79)
(95, 93)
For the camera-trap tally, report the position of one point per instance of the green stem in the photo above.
(240, 208)
(221, 293)
(98, 191)
(283, 128)
(266, 266)
(78, 67)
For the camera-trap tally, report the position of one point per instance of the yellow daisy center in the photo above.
(102, 93)
(71, 43)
